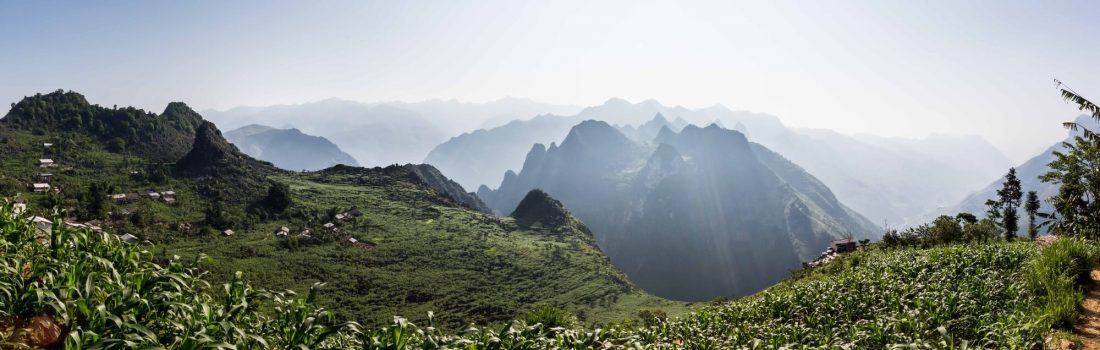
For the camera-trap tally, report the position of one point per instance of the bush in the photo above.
(550, 317)
(1055, 277)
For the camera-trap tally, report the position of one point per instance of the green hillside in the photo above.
(420, 244)
(415, 254)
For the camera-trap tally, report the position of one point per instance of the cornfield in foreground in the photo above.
(89, 290)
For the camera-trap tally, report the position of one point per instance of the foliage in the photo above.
(550, 317)
(1055, 276)
(1077, 173)
(101, 292)
(962, 228)
(278, 197)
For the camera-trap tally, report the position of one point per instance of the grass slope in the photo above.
(466, 266)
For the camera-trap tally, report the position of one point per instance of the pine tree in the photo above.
(1010, 194)
(1032, 207)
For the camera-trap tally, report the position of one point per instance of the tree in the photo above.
(1032, 207)
(1010, 194)
(967, 218)
(278, 197)
(945, 230)
(993, 213)
(1077, 172)
(94, 201)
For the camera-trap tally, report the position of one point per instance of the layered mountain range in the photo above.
(886, 179)
(379, 134)
(288, 149)
(691, 215)
(1028, 173)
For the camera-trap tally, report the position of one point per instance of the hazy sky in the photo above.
(903, 68)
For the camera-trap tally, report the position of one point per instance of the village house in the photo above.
(227, 233)
(843, 245)
(42, 225)
(45, 163)
(117, 197)
(282, 231)
(168, 193)
(154, 195)
(352, 240)
(341, 216)
(47, 145)
(128, 238)
(40, 187)
(170, 200)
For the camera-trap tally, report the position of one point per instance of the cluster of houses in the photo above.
(44, 179)
(284, 231)
(836, 248)
(167, 196)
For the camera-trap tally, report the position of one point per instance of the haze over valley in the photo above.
(549, 175)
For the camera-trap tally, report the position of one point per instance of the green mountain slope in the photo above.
(697, 217)
(420, 242)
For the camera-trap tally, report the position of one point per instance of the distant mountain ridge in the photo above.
(379, 134)
(288, 149)
(696, 215)
(885, 179)
(1028, 173)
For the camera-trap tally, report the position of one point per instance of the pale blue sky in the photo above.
(902, 68)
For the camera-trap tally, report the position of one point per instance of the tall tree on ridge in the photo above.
(1010, 194)
(1032, 207)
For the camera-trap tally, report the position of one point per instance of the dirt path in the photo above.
(1088, 329)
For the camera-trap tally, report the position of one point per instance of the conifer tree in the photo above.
(1032, 207)
(1010, 194)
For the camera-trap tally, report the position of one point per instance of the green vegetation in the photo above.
(1075, 171)
(163, 138)
(92, 290)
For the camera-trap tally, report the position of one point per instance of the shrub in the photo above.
(550, 317)
(1055, 276)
